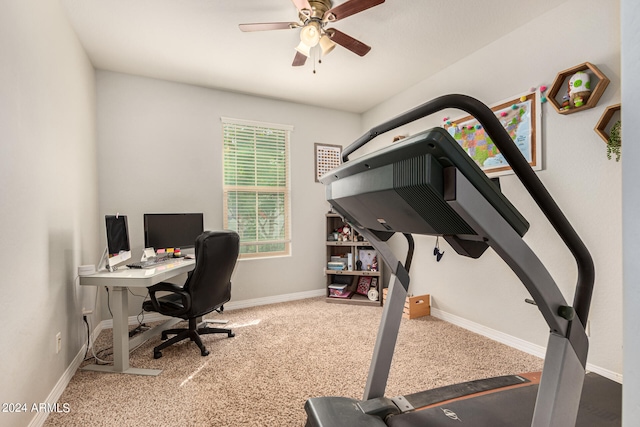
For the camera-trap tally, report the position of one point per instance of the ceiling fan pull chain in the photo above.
(314, 60)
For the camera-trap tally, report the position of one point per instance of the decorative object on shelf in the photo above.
(615, 141)
(605, 129)
(587, 95)
(327, 157)
(345, 232)
(364, 283)
(523, 123)
(373, 294)
(579, 88)
(367, 256)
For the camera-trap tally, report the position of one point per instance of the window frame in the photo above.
(258, 189)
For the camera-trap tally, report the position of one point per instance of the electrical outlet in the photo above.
(58, 342)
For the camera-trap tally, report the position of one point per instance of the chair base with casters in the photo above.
(193, 333)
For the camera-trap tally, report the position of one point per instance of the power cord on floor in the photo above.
(140, 328)
(84, 317)
(140, 317)
(91, 345)
(106, 288)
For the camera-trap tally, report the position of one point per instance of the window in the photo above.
(256, 186)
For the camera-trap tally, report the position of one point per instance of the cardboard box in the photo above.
(414, 306)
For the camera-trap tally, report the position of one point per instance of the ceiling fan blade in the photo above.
(348, 42)
(302, 4)
(348, 8)
(265, 26)
(299, 59)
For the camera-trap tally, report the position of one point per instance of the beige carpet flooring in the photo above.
(282, 355)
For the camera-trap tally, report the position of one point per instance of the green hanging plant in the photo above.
(615, 141)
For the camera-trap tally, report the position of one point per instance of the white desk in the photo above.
(119, 281)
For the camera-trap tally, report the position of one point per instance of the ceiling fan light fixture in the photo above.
(303, 49)
(310, 34)
(326, 44)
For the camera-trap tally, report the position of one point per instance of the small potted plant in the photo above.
(615, 141)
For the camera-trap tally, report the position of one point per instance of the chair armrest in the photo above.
(174, 289)
(165, 286)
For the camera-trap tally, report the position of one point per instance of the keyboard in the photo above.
(150, 262)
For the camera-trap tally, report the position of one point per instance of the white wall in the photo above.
(180, 125)
(630, 208)
(48, 190)
(585, 184)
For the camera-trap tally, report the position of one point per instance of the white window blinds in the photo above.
(256, 186)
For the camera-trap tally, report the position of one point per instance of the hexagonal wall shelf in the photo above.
(561, 82)
(604, 124)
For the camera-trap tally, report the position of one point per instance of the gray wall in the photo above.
(159, 146)
(576, 171)
(48, 191)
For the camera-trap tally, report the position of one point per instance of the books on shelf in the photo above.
(335, 265)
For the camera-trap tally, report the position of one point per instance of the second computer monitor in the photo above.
(118, 248)
(172, 230)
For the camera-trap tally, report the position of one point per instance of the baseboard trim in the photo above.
(234, 305)
(59, 388)
(512, 341)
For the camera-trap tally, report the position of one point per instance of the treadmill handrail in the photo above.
(522, 169)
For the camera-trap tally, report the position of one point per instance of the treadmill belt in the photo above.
(430, 397)
(600, 406)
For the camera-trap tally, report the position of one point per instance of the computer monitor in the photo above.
(172, 230)
(118, 247)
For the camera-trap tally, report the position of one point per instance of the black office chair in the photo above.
(207, 288)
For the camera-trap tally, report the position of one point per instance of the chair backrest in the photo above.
(210, 282)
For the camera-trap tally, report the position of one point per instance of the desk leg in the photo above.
(120, 310)
(120, 307)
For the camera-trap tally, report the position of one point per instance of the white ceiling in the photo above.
(198, 42)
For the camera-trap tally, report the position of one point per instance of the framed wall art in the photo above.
(521, 118)
(328, 157)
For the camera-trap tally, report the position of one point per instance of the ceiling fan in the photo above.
(314, 16)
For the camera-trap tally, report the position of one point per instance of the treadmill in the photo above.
(427, 184)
